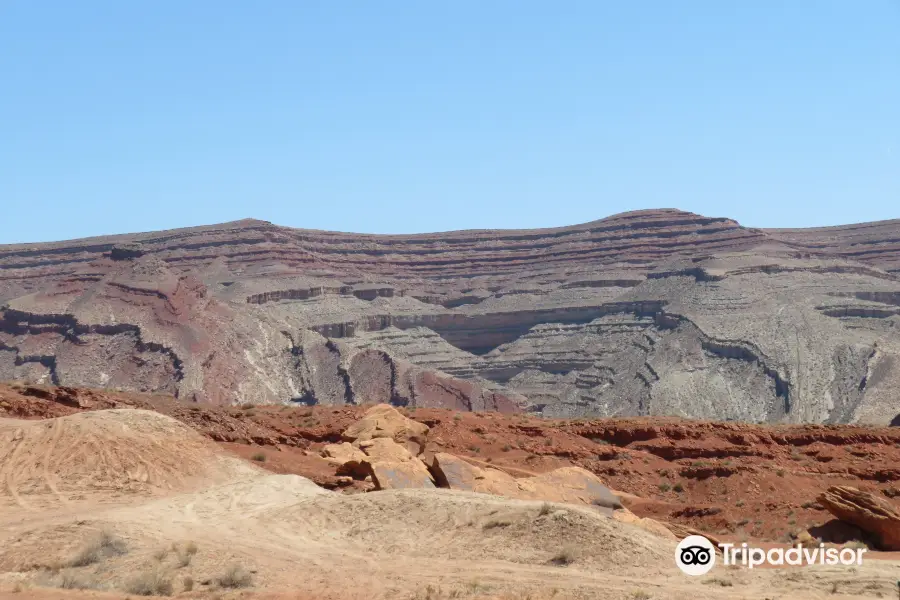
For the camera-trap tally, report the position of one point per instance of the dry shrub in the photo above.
(494, 523)
(103, 546)
(718, 581)
(68, 580)
(566, 556)
(155, 582)
(185, 554)
(235, 576)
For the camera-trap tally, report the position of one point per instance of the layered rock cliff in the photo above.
(644, 313)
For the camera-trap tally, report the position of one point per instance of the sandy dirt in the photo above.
(737, 481)
(165, 502)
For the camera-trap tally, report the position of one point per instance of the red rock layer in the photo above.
(737, 481)
(643, 237)
(876, 244)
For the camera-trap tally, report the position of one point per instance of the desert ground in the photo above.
(130, 501)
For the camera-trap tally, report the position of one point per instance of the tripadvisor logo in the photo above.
(696, 555)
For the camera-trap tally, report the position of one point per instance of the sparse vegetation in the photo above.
(160, 555)
(678, 487)
(640, 595)
(566, 556)
(506, 448)
(235, 576)
(186, 554)
(104, 545)
(718, 581)
(73, 581)
(187, 583)
(473, 589)
(664, 487)
(154, 582)
(259, 457)
(546, 509)
(494, 523)
(780, 472)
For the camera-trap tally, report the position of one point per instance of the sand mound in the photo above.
(119, 451)
(448, 525)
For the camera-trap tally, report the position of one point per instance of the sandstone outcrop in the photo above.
(348, 459)
(453, 472)
(871, 514)
(385, 421)
(388, 475)
(379, 447)
(655, 527)
(570, 485)
(385, 449)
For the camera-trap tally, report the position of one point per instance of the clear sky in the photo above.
(409, 116)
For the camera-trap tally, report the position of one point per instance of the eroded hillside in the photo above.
(647, 313)
(735, 481)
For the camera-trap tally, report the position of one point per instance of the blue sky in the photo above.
(409, 116)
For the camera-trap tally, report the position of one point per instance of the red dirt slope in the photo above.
(734, 480)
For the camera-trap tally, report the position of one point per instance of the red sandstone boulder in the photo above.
(868, 512)
(388, 475)
(346, 457)
(385, 421)
(571, 485)
(384, 450)
(655, 527)
(455, 473)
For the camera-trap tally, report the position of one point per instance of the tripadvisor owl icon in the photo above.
(695, 555)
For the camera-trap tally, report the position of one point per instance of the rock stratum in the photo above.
(658, 312)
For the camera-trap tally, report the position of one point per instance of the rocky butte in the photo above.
(657, 312)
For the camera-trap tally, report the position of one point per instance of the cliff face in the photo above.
(645, 313)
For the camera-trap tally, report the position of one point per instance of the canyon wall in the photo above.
(648, 313)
